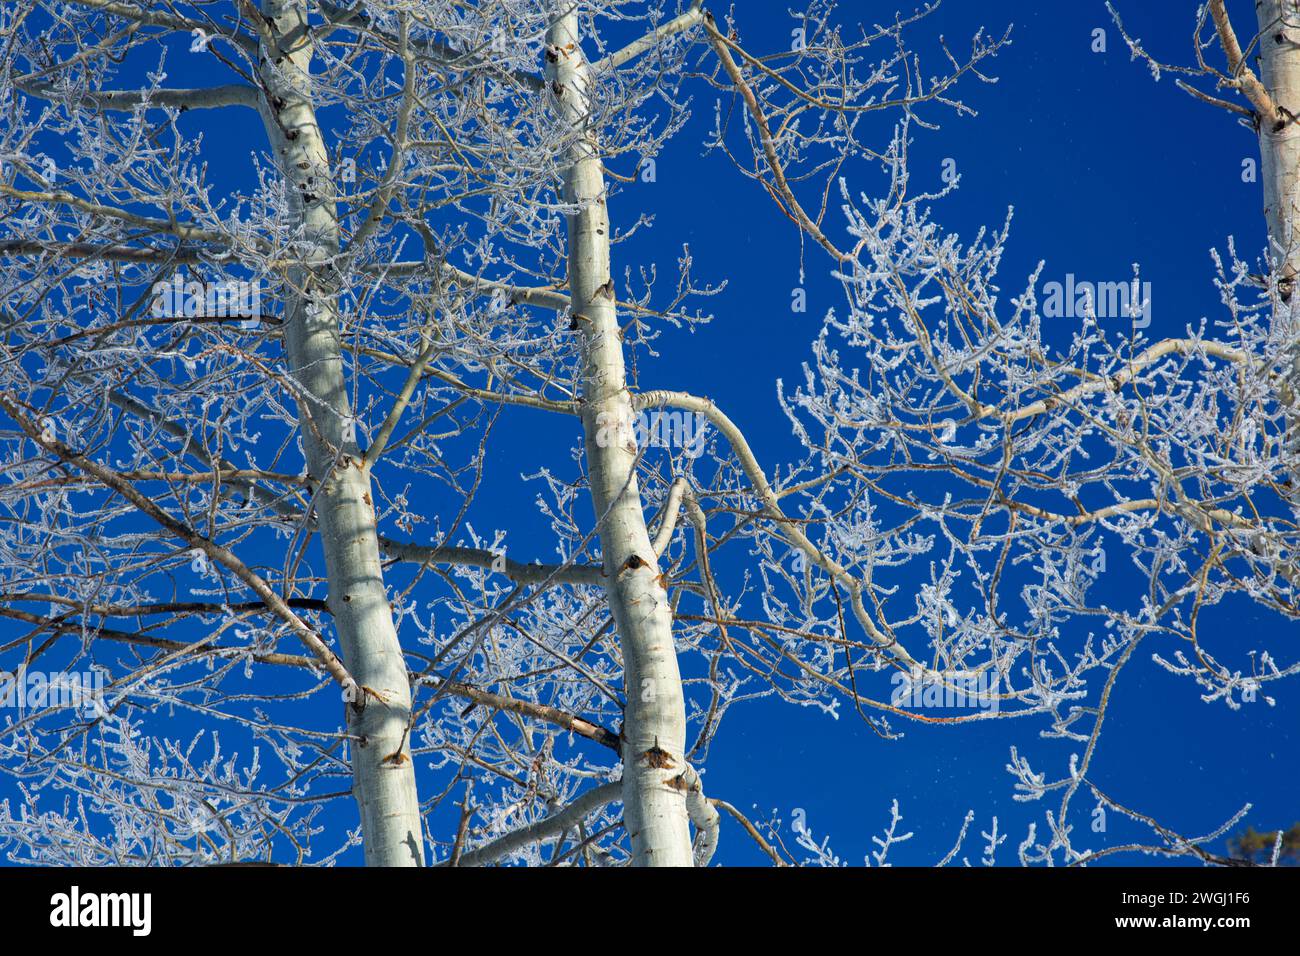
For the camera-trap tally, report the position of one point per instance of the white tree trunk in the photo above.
(654, 723)
(383, 776)
(1279, 135)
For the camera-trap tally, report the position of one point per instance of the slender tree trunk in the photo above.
(654, 723)
(1279, 135)
(383, 776)
(1279, 151)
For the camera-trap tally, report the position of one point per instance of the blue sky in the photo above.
(1104, 167)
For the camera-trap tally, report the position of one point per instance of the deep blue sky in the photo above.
(1104, 167)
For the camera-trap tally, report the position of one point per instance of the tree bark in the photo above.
(654, 721)
(1279, 134)
(383, 776)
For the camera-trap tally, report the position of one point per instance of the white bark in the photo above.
(1279, 152)
(654, 723)
(383, 776)
(1279, 134)
(703, 815)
